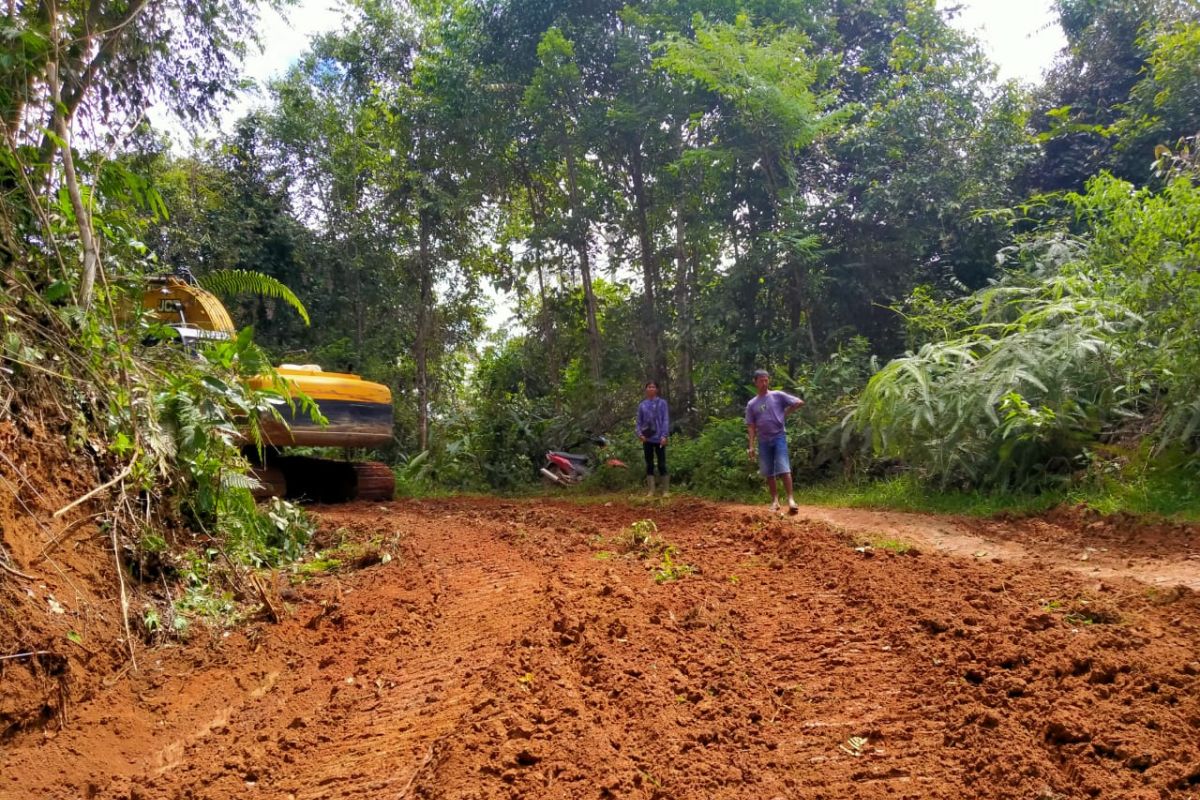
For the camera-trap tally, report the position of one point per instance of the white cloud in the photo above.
(284, 39)
(1021, 36)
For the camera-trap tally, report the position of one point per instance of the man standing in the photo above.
(653, 423)
(766, 417)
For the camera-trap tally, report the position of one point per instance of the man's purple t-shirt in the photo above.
(766, 413)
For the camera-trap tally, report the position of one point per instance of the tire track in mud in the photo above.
(411, 650)
(1019, 681)
(797, 666)
(401, 728)
(703, 688)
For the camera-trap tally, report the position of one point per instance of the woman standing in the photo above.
(652, 426)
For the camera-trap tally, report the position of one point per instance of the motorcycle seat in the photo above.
(570, 456)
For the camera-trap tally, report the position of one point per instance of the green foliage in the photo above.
(820, 440)
(116, 58)
(714, 463)
(642, 537)
(1090, 340)
(1012, 400)
(1122, 85)
(766, 75)
(1161, 484)
(165, 425)
(193, 433)
(1144, 248)
(413, 475)
(201, 597)
(643, 541)
(907, 492)
(1164, 105)
(897, 546)
(241, 281)
(669, 569)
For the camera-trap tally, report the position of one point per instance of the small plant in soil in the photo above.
(670, 569)
(1084, 613)
(642, 537)
(201, 600)
(854, 745)
(150, 622)
(1050, 794)
(894, 545)
(346, 555)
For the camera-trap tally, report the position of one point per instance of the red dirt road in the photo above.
(506, 650)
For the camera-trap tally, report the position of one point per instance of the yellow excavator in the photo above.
(359, 412)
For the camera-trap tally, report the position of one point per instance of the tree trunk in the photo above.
(800, 312)
(684, 280)
(650, 277)
(585, 266)
(360, 315)
(80, 77)
(83, 216)
(545, 321)
(424, 319)
(747, 271)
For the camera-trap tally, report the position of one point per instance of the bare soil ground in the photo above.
(489, 649)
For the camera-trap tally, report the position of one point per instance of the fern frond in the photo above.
(244, 281)
(238, 480)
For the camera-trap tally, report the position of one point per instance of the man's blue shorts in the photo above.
(773, 457)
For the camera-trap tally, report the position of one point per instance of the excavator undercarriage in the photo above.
(323, 480)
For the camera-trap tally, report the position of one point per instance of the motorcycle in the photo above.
(568, 469)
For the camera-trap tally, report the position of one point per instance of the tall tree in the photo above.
(764, 89)
(1086, 91)
(108, 59)
(557, 107)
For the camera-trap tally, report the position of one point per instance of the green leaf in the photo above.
(55, 292)
(243, 281)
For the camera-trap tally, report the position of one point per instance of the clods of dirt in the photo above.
(522, 649)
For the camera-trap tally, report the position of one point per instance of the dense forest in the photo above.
(975, 283)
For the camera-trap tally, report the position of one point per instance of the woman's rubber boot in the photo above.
(665, 480)
(649, 486)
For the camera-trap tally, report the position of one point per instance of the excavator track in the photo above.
(271, 482)
(376, 481)
(323, 480)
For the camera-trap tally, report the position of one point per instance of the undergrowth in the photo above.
(166, 424)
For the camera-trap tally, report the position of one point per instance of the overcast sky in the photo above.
(1021, 36)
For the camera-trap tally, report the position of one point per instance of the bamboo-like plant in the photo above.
(1014, 397)
(1091, 331)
